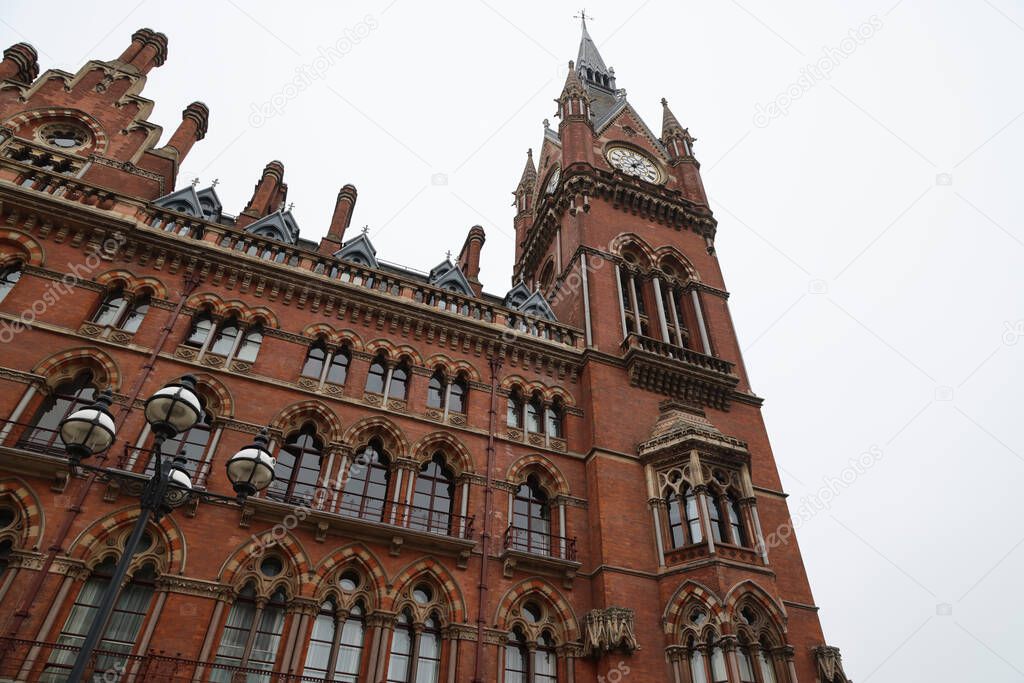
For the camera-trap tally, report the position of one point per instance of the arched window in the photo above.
(715, 515)
(251, 635)
(415, 654)
(9, 276)
(436, 389)
(531, 518)
(125, 621)
(764, 662)
(5, 556)
(457, 393)
(68, 397)
(315, 359)
(336, 644)
(683, 517)
(545, 660)
(135, 313)
(399, 384)
(366, 487)
(515, 409)
(227, 334)
(534, 415)
(698, 673)
(298, 466)
(250, 346)
(377, 375)
(717, 658)
(202, 323)
(110, 309)
(337, 372)
(746, 661)
(433, 497)
(517, 658)
(553, 419)
(737, 532)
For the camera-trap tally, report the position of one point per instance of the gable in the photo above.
(358, 250)
(280, 226)
(447, 275)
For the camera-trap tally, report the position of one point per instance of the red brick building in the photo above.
(569, 482)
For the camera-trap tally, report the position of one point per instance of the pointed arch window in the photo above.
(316, 358)
(534, 415)
(746, 661)
(123, 628)
(111, 308)
(715, 517)
(336, 644)
(337, 371)
(66, 398)
(737, 533)
(377, 375)
(298, 467)
(515, 409)
(525, 666)
(202, 324)
(764, 662)
(250, 346)
(9, 276)
(457, 394)
(415, 653)
(227, 335)
(398, 383)
(436, 388)
(366, 487)
(698, 672)
(434, 497)
(135, 313)
(531, 518)
(553, 419)
(251, 635)
(717, 660)
(517, 658)
(683, 517)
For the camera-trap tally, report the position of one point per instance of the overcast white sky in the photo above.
(871, 235)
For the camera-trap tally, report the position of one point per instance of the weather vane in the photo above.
(366, 229)
(582, 16)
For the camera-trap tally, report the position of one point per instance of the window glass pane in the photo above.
(399, 381)
(428, 662)
(718, 665)
(533, 417)
(318, 654)
(375, 378)
(457, 397)
(268, 635)
(544, 666)
(314, 364)
(401, 648)
(515, 664)
(767, 670)
(338, 371)
(435, 391)
(697, 672)
(200, 330)
(349, 651)
(515, 413)
(225, 340)
(135, 317)
(746, 666)
(8, 278)
(250, 346)
(693, 517)
(109, 310)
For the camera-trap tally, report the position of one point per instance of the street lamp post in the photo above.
(170, 411)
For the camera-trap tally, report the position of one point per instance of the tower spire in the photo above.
(676, 138)
(591, 66)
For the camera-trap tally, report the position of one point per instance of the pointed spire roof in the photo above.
(573, 86)
(669, 123)
(588, 56)
(530, 171)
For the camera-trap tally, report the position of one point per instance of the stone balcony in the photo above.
(678, 372)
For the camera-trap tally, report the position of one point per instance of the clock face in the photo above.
(632, 162)
(553, 180)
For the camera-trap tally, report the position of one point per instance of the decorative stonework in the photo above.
(608, 630)
(830, 664)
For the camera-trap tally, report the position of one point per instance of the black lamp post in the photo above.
(170, 411)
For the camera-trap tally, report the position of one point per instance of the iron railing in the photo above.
(539, 543)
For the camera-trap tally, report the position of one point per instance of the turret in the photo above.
(679, 143)
(525, 195)
(576, 130)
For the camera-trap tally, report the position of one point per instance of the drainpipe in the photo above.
(485, 538)
(23, 612)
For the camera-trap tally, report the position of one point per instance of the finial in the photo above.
(291, 205)
(366, 229)
(582, 16)
(195, 181)
(547, 124)
(448, 255)
(214, 183)
(664, 102)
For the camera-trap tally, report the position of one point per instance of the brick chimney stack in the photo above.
(195, 120)
(343, 208)
(20, 63)
(268, 196)
(147, 50)
(469, 257)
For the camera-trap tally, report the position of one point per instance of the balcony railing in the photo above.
(539, 543)
(673, 352)
(378, 510)
(27, 660)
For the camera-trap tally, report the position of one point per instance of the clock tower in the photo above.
(688, 522)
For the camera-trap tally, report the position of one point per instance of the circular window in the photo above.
(422, 594)
(271, 566)
(7, 517)
(349, 581)
(64, 135)
(532, 612)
